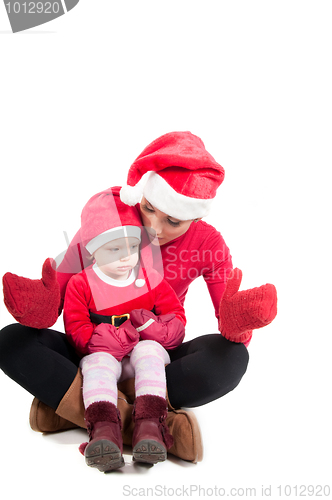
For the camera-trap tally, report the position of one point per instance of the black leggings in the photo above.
(45, 364)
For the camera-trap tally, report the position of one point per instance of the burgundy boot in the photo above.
(151, 438)
(104, 450)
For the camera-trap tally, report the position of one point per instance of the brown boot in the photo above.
(126, 412)
(68, 415)
(44, 419)
(127, 387)
(104, 450)
(151, 438)
(71, 406)
(186, 433)
(184, 428)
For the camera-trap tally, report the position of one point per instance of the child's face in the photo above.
(118, 257)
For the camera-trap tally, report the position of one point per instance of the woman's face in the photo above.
(161, 227)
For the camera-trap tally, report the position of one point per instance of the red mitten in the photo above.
(116, 341)
(242, 312)
(33, 303)
(166, 329)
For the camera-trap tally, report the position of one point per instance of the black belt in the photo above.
(112, 320)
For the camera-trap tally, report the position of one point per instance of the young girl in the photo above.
(109, 320)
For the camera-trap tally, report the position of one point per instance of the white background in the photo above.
(80, 97)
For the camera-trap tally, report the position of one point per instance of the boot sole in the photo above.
(149, 451)
(104, 455)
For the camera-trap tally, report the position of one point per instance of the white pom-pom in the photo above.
(139, 283)
(131, 195)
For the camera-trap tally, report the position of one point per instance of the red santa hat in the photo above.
(176, 174)
(105, 218)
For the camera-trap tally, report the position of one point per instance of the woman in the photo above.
(176, 180)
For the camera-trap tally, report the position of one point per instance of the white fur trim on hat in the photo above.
(113, 234)
(131, 195)
(163, 197)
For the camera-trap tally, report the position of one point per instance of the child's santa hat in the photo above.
(105, 218)
(181, 176)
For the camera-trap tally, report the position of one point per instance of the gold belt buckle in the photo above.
(121, 316)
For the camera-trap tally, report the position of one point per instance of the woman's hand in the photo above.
(242, 312)
(33, 303)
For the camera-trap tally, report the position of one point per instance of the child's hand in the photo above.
(166, 329)
(116, 341)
